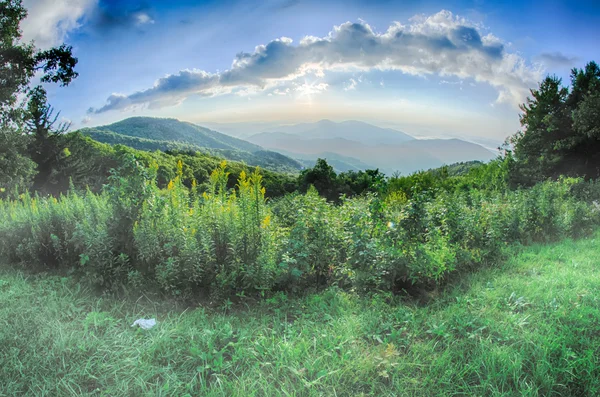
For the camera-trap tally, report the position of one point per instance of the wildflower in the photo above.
(266, 222)
(171, 185)
(390, 225)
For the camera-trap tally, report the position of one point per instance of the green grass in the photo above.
(528, 328)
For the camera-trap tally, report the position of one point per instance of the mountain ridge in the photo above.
(168, 134)
(170, 129)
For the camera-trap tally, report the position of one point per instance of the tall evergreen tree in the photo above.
(561, 129)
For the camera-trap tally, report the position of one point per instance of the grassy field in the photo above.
(530, 327)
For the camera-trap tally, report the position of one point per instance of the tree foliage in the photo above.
(18, 63)
(561, 133)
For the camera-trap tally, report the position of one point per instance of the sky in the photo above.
(456, 68)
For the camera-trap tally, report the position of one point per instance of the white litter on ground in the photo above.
(144, 323)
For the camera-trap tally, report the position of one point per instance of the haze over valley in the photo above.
(349, 145)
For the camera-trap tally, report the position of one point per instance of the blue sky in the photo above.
(452, 68)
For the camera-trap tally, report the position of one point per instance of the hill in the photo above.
(178, 131)
(147, 133)
(89, 163)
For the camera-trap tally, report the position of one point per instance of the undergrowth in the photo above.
(226, 243)
(529, 328)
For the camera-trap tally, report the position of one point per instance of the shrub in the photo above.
(224, 242)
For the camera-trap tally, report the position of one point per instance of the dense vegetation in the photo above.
(228, 242)
(88, 164)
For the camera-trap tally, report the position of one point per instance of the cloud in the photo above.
(110, 15)
(279, 92)
(351, 85)
(451, 82)
(308, 90)
(557, 59)
(167, 91)
(49, 22)
(142, 18)
(442, 44)
(86, 120)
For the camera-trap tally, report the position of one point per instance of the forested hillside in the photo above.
(269, 160)
(178, 131)
(148, 133)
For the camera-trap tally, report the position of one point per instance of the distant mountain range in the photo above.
(353, 142)
(357, 131)
(349, 145)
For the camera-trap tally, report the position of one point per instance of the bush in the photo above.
(226, 242)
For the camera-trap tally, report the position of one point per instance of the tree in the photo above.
(561, 129)
(322, 177)
(543, 121)
(16, 168)
(18, 63)
(355, 183)
(46, 146)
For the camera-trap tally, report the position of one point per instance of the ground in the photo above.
(528, 327)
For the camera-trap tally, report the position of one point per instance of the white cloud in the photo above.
(351, 85)
(441, 44)
(451, 82)
(308, 90)
(49, 22)
(142, 18)
(277, 91)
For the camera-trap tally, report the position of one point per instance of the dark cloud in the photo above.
(440, 44)
(557, 59)
(111, 15)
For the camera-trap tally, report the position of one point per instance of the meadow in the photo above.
(528, 327)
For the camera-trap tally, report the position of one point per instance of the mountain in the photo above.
(150, 134)
(241, 130)
(177, 131)
(358, 131)
(386, 149)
